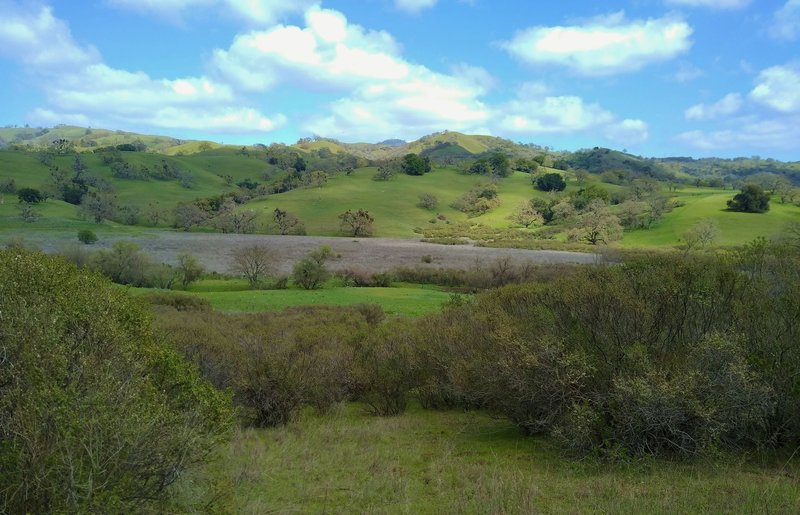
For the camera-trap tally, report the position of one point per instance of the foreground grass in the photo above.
(455, 462)
(233, 296)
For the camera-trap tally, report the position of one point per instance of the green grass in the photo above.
(734, 228)
(393, 203)
(456, 462)
(235, 297)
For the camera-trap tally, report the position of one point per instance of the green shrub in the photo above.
(385, 368)
(178, 301)
(87, 237)
(96, 415)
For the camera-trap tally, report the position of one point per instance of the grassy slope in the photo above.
(700, 204)
(394, 203)
(456, 462)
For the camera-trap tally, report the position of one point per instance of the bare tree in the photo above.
(358, 223)
(253, 262)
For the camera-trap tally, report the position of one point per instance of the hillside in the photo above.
(201, 186)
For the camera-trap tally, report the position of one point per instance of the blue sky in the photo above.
(656, 77)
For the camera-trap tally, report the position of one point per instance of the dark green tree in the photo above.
(752, 199)
(414, 164)
(551, 182)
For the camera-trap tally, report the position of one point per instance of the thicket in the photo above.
(661, 355)
(97, 415)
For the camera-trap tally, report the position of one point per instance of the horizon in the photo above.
(661, 78)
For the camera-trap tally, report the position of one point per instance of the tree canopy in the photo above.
(752, 199)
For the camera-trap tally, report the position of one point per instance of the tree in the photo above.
(253, 262)
(598, 225)
(752, 199)
(527, 215)
(30, 195)
(87, 236)
(386, 170)
(413, 164)
(551, 182)
(526, 165)
(358, 223)
(287, 223)
(98, 206)
(190, 268)
(187, 215)
(700, 235)
(310, 273)
(96, 414)
(28, 213)
(318, 178)
(501, 166)
(581, 176)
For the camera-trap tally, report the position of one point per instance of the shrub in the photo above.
(752, 199)
(385, 368)
(428, 201)
(87, 237)
(96, 415)
(310, 273)
(551, 182)
(30, 195)
(178, 301)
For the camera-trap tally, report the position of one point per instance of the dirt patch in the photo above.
(369, 254)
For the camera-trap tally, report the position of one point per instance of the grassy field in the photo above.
(456, 462)
(233, 296)
(700, 204)
(393, 203)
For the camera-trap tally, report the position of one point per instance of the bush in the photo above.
(428, 201)
(177, 301)
(551, 182)
(87, 237)
(30, 195)
(385, 368)
(752, 199)
(96, 414)
(310, 273)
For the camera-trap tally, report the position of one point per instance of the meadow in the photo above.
(464, 462)
(234, 296)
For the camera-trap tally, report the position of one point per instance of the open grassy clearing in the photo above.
(234, 296)
(456, 462)
(700, 204)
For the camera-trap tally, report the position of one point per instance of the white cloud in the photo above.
(328, 52)
(605, 45)
(534, 113)
(384, 95)
(414, 6)
(78, 86)
(772, 134)
(259, 12)
(786, 21)
(712, 4)
(40, 40)
(778, 87)
(727, 105)
(628, 132)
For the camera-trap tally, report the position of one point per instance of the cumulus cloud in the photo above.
(604, 45)
(259, 12)
(414, 6)
(778, 87)
(327, 52)
(79, 87)
(712, 4)
(786, 21)
(384, 95)
(534, 112)
(727, 105)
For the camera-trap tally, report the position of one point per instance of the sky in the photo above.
(654, 77)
